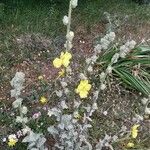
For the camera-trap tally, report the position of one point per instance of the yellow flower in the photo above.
(130, 145)
(134, 131)
(57, 62)
(12, 142)
(65, 57)
(43, 100)
(40, 77)
(83, 88)
(63, 60)
(61, 73)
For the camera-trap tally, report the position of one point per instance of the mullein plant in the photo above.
(36, 140)
(71, 133)
(68, 132)
(72, 114)
(65, 57)
(17, 84)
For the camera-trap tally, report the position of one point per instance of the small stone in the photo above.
(105, 113)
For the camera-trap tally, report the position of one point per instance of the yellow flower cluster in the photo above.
(43, 100)
(63, 60)
(83, 88)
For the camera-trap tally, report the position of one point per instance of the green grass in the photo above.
(45, 16)
(31, 18)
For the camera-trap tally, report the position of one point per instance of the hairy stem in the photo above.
(68, 25)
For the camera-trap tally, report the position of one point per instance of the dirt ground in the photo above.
(121, 103)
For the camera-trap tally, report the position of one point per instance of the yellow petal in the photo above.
(135, 127)
(12, 142)
(57, 63)
(134, 130)
(68, 55)
(43, 100)
(88, 87)
(61, 55)
(62, 72)
(65, 57)
(83, 88)
(134, 133)
(130, 145)
(83, 94)
(85, 85)
(80, 87)
(84, 82)
(66, 62)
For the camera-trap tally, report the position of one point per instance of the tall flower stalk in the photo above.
(69, 25)
(67, 22)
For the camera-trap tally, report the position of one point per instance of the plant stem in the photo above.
(68, 25)
(21, 115)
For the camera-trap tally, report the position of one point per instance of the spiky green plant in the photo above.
(134, 70)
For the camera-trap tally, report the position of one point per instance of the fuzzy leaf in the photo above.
(41, 142)
(52, 130)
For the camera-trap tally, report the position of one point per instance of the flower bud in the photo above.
(144, 101)
(59, 93)
(132, 44)
(70, 36)
(95, 94)
(103, 87)
(69, 70)
(82, 76)
(94, 58)
(90, 69)
(65, 20)
(74, 3)
(111, 36)
(88, 60)
(95, 106)
(98, 48)
(63, 84)
(122, 54)
(63, 105)
(24, 110)
(69, 45)
(109, 69)
(102, 76)
(26, 130)
(147, 111)
(66, 91)
(115, 58)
